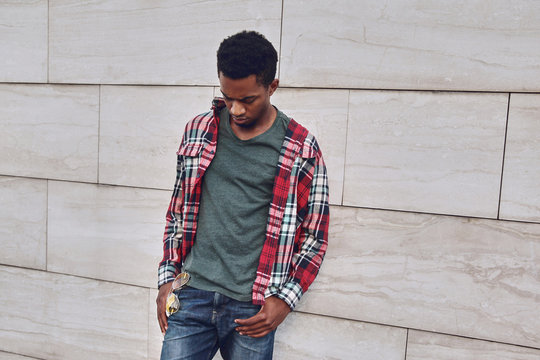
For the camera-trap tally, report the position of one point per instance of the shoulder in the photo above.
(198, 125)
(304, 139)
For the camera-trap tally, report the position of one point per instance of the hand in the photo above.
(272, 313)
(161, 301)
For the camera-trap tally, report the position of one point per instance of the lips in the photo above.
(239, 119)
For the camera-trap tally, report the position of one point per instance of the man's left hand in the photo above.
(272, 313)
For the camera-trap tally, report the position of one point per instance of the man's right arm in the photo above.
(171, 263)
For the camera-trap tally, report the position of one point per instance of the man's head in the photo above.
(247, 53)
(246, 70)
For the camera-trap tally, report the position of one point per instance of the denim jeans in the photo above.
(205, 323)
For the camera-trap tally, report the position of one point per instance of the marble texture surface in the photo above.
(23, 41)
(469, 277)
(23, 222)
(428, 45)
(324, 114)
(306, 336)
(520, 199)
(144, 42)
(106, 232)
(49, 131)
(425, 151)
(141, 129)
(68, 317)
(429, 346)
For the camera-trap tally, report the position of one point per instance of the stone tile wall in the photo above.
(428, 115)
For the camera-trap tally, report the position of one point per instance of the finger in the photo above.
(258, 334)
(250, 321)
(162, 319)
(253, 328)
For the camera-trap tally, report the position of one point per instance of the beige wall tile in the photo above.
(141, 129)
(23, 222)
(427, 346)
(144, 42)
(424, 151)
(520, 198)
(468, 277)
(323, 113)
(23, 41)
(420, 45)
(54, 316)
(106, 232)
(49, 131)
(305, 336)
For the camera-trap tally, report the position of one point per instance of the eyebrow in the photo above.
(242, 99)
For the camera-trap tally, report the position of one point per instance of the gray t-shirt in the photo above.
(235, 200)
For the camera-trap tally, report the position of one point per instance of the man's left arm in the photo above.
(311, 244)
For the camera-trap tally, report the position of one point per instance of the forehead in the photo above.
(240, 88)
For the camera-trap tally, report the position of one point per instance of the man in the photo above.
(248, 218)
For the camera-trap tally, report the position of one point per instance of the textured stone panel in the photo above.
(469, 277)
(49, 131)
(426, 346)
(305, 336)
(106, 232)
(439, 45)
(23, 222)
(324, 114)
(140, 131)
(149, 42)
(520, 198)
(425, 151)
(23, 41)
(53, 316)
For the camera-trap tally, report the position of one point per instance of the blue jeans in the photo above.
(205, 323)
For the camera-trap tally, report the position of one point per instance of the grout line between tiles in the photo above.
(78, 276)
(415, 329)
(406, 345)
(47, 227)
(24, 356)
(346, 143)
(280, 38)
(285, 87)
(48, 37)
(99, 132)
(503, 156)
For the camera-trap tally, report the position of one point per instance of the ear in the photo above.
(273, 87)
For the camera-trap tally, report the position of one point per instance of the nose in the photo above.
(237, 109)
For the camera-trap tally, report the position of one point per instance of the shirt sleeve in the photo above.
(312, 237)
(171, 263)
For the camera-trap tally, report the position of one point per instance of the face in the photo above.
(248, 101)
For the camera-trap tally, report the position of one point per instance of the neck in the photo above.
(264, 123)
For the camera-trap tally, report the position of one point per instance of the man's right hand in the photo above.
(161, 302)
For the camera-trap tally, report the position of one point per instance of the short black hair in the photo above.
(247, 53)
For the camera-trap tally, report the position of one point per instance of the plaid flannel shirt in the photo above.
(297, 225)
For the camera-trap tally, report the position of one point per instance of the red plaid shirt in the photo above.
(297, 225)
